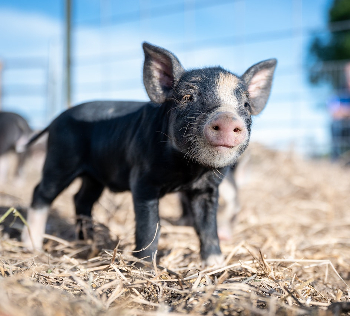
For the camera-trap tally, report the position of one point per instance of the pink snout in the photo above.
(225, 130)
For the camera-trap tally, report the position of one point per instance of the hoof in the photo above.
(28, 244)
(213, 261)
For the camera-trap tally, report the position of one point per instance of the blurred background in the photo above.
(58, 53)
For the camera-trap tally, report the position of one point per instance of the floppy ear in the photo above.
(258, 79)
(161, 70)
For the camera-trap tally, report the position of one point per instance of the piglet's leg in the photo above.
(203, 204)
(4, 166)
(54, 181)
(36, 220)
(84, 200)
(229, 211)
(147, 220)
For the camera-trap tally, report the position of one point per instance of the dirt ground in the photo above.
(289, 254)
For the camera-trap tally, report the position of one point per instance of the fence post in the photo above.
(68, 52)
(1, 68)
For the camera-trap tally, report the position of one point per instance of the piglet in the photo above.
(185, 139)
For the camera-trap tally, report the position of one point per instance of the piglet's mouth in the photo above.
(224, 143)
(223, 148)
(218, 146)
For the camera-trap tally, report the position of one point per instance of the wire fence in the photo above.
(25, 88)
(296, 114)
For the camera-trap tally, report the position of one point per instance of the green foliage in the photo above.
(334, 48)
(340, 11)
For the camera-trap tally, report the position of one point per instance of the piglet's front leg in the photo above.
(147, 233)
(203, 203)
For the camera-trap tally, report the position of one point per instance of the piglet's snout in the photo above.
(225, 130)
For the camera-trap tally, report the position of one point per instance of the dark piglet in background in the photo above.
(14, 134)
(185, 140)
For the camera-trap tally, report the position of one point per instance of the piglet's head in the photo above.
(209, 108)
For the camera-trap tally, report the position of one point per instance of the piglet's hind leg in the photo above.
(51, 185)
(36, 220)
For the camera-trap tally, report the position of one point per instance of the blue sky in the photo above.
(108, 56)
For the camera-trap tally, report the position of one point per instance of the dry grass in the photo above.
(289, 255)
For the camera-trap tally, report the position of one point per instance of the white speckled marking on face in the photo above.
(226, 85)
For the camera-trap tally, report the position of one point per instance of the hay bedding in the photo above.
(289, 255)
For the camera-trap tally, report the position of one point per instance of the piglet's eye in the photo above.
(246, 105)
(187, 98)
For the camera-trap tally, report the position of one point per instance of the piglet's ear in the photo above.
(161, 70)
(258, 79)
